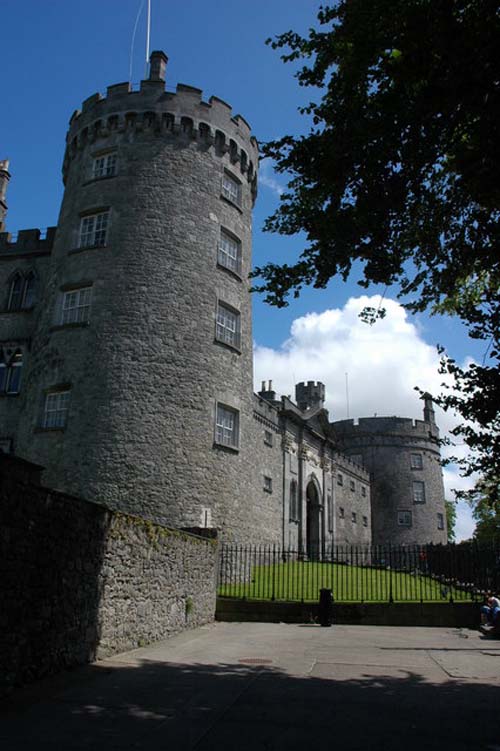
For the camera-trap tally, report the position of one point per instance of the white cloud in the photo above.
(384, 363)
(268, 179)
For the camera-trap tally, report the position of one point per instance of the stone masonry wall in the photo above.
(80, 581)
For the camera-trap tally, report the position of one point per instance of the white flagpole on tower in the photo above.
(148, 33)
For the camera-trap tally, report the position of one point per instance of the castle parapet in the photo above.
(27, 241)
(152, 111)
(396, 426)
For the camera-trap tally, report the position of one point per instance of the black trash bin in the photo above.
(325, 607)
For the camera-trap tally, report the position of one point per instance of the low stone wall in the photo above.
(456, 615)
(79, 581)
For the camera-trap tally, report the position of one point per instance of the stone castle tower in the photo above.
(403, 459)
(143, 343)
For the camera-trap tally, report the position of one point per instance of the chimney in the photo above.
(4, 180)
(157, 66)
(267, 392)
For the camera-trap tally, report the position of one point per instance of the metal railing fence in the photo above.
(360, 573)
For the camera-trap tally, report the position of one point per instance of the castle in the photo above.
(126, 347)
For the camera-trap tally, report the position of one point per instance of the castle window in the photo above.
(354, 517)
(363, 491)
(416, 461)
(365, 521)
(231, 188)
(94, 230)
(227, 426)
(268, 484)
(268, 438)
(227, 327)
(229, 252)
(404, 519)
(104, 166)
(55, 411)
(76, 306)
(340, 479)
(341, 512)
(29, 291)
(352, 485)
(440, 521)
(10, 371)
(418, 492)
(294, 506)
(16, 293)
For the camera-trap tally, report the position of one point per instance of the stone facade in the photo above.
(132, 323)
(80, 581)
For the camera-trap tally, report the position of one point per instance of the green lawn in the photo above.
(300, 580)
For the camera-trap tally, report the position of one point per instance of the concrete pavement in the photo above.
(272, 687)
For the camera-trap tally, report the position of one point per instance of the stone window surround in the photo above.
(440, 521)
(231, 188)
(268, 438)
(225, 334)
(418, 491)
(268, 484)
(224, 259)
(60, 409)
(294, 502)
(365, 521)
(10, 371)
(79, 313)
(94, 234)
(341, 513)
(227, 426)
(104, 164)
(340, 479)
(354, 517)
(404, 518)
(352, 486)
(21, 291)
(416, 461)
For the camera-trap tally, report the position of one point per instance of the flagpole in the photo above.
(148, 32)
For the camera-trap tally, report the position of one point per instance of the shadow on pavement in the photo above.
(158, 705)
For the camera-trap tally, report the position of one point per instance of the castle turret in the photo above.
(139, 387)
(404, 461)
(310, 395)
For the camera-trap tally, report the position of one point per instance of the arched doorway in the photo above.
(313, 526)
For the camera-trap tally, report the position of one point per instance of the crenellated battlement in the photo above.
(393, 426)
(27, 241)
(152, 111)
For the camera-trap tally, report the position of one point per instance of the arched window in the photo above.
(14, 373)
(10, 372)
(294, 506)
(15, 292)
(29, 290)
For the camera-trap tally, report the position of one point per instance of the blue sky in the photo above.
(55, 53)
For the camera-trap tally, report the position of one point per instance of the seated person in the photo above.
(490, 612)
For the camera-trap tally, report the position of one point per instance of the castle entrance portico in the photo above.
(313, 521)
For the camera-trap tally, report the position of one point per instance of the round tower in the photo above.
(403, 458)
(138, 392)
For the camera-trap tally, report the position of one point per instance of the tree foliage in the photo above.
(397, 180)
(487, 522)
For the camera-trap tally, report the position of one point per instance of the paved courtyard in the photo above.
(272, 687)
